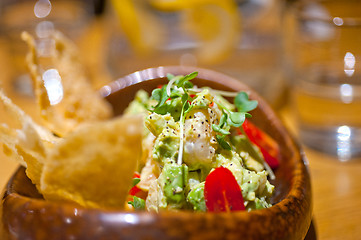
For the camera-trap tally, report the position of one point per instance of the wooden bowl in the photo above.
(25, 215)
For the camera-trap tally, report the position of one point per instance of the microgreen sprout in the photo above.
(233, 119)
(181, 87)
(177, 87)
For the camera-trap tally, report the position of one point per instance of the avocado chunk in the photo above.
(173, 181)
(196, 198)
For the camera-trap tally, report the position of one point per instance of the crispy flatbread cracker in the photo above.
(24, 140)
(94, 165)
(79, 103)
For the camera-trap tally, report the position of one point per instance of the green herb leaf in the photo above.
(187, 107)
(247, 115)
(217, 128)
(184, 81)
(135, 181)
(243, 104)
(161, 110)
(223, 119)
(233, 119)
(236, 118)
(137, 203)
(175, 94)
(161, 96)
(188, 84)
(156, 94)
(222, 142)
(170, 76)
(185, 97)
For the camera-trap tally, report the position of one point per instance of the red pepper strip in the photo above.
(268, 146)
(191, 96)
(136, 191)
(222, 192)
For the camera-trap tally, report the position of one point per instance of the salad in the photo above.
(200, 152)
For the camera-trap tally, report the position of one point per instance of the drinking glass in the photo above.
(325, 64)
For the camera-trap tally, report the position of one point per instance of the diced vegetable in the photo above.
(196, 198)
(222, 192)
(268, 146)
(137, 203)
(135, 190)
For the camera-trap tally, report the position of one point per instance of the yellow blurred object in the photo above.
(214, 24)
(175, 5)
(143, 30)
(217, 25)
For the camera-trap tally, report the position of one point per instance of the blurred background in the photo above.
(240, 38)
(302, 56)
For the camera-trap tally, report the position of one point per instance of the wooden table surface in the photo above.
(336, 189)
(336, 185)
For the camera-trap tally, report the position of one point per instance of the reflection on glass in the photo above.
(338, 21)
(349, 64)
(53, 86)
(44, 29)
(346, 93)
(42, 8)
(344, 143)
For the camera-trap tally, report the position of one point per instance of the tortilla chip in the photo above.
(24, 140)
(77, 102)
(94, 165)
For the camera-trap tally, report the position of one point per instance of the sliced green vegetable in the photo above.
(137, 203)
(173, 181)
(196, 198)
